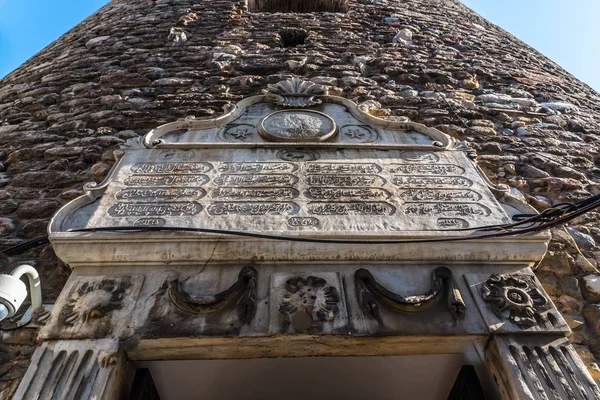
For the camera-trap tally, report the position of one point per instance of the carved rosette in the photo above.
(308, 302)
(517, 298)
(94, 300)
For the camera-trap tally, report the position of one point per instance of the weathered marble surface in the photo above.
(135, 65)
(186, 302)
(348, 129)
(525, 367)
(74, 369)
(345, 192)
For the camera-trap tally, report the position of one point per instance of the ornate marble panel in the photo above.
(200, 301)
(421, 300)
(514, 302)
(94, 307)
(307, 303)
(316, 191)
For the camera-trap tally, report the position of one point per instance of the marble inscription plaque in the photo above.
(351, 208)
(430, 169)
(158, 210)
(297, 190)
(450, 209)
(345, 180)
(342, 168)
(166, 180)
(452, 223)
(257, 168)
(254, 193)
(303, 221)
(332, 193)
(458, 195)
(171, 168)
(253, 208)
(150, 222)
(160, 194)
(255, 180)
(432, 182)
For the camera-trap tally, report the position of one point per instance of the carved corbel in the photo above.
(533, 367)
(370, 293)
(74, 369)
(242, 293)
(41, 316)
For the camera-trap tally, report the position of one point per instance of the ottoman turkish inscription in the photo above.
(331, 190)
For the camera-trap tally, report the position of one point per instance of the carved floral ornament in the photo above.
(308, 302)
(517, 298)
(94, 300)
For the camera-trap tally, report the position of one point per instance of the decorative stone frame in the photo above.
(185, 295)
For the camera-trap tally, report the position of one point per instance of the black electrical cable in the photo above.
(30, 244)
(544, 217)
(18, 249)
(16, 327)
(541, 227)
(558, 215)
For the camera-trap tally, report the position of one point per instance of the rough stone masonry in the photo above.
(136, 64)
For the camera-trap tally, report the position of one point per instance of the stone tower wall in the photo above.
(136, 64)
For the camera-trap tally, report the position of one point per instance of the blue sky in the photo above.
(567, 32)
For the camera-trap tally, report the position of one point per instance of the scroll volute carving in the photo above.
(371, 293)
(241, 294)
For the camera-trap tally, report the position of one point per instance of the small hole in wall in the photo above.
(297, 6)
(292, 37)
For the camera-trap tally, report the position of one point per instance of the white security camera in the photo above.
(13, 291)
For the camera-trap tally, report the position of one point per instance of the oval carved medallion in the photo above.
(297, 126)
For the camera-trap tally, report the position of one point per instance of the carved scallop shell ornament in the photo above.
(296, 92)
